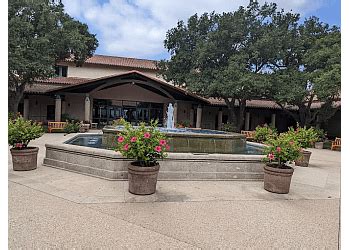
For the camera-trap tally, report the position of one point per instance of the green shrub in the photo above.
(67, 117)
(71, 127)
(14, 116)
(229, 127)
(118, 122)
(321, 135)
(185, 124)
(21, 132)
(305, 137)
(282, 149)
(144, 144)
(264, 133)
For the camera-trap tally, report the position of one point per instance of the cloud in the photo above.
(137, 28)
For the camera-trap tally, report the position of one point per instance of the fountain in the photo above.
(195, 154)
(170, 117)
(188, 140)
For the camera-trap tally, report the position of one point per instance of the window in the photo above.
(61, 71)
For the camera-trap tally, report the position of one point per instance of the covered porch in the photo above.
(133, 96)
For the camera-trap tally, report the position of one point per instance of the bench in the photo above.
(249, 134)
(55, 126)
(94, 125)
(336, 144)
(84, 127)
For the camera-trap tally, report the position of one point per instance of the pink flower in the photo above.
(133, 139)
(167, 147)
(270, 156)
(162, 142)
(158, 148)
(278, 149)
(147, 135)
(291, 142)
(126, 147)
(120, 139)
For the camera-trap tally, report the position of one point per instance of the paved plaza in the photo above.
(50, 207)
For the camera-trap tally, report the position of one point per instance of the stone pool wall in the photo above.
(227, 143)
(111, 165)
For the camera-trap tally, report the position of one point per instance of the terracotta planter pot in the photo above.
(303, 161)
(24, 159)
(277, 180)
(319, 145)
(142, 180)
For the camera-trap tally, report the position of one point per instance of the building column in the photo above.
(91, 108)
(26, 108)
(318, 125)
(165, 113)
(247, 121)
(220, 119)
(87, 108)
(199, 116)
(192, 117)
(175, 113)
(273, 120)
(58, 107)
(63, 108)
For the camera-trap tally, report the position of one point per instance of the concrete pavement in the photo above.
(54, 208)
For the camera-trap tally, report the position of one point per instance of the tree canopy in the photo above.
(310, 73)
(254, 52)
(40, 35)
(224, 55)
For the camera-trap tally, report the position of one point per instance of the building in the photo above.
(106, 88)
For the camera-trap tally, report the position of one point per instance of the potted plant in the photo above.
(306, 139)
(145, 145)
(277, 174)
(321, 138)
(262, 134)
(20, 133)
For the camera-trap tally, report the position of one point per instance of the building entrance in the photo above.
(105, 111)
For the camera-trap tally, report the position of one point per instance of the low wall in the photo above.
(184, 142)
(111, 165)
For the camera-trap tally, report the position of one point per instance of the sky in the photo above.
(137, 28)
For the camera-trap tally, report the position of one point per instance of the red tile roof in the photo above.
(65, 80)
(266, 104)
(121, 61)
(40, 88)
(43, 86)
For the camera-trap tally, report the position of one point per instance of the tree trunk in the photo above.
(14, 97)
(302, 112)
(13, 102)
(232, 118)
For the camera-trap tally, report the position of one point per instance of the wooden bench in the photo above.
(336, 144)
(94, 125)
(55, 126)
(84, 127)
(249, 134)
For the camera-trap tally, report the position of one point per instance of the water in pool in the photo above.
(95, 141)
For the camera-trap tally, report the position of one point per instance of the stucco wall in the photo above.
(75, 106)
(183, 111)
(209, 116)
(38, 107)
(130, 92)
(96, 71)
